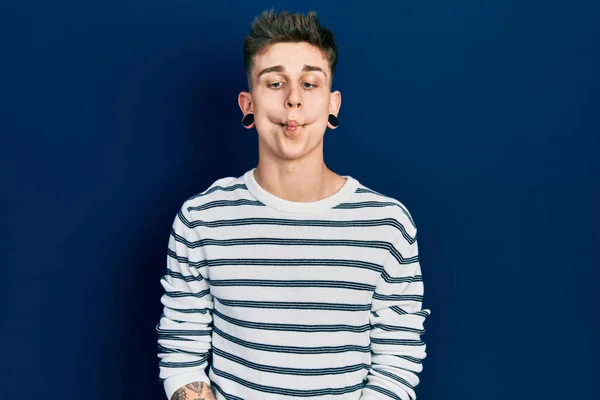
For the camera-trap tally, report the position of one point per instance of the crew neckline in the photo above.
(300, 207)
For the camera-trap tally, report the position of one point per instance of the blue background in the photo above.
(481, 117)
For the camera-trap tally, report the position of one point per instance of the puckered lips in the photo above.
(291, 127)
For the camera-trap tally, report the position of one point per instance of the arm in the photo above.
(184, 330)
(396, 326)
(194, 391)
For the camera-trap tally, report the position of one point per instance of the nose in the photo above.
(293, 99)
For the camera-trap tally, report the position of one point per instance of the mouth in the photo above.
(291, 126)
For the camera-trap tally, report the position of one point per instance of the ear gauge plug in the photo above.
(248, 120)
(333, 120)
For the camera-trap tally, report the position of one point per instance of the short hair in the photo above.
(279, 27)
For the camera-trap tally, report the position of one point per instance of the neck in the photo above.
(299, 182)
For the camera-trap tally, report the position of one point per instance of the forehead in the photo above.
(293, 56)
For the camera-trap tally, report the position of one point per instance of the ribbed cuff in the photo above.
(173, 383)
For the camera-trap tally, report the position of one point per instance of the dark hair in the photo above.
(276, 27)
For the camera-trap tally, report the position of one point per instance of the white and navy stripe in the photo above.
(268, 299)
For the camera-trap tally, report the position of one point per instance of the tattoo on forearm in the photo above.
(194, 391)
(179, 395)
(196, 387)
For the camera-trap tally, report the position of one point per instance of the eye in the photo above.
(275, 85)
(308, 85)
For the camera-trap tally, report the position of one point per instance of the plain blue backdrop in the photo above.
(481, 117)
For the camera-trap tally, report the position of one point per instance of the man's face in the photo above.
(291, 98)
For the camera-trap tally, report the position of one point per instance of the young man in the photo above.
(291, 281)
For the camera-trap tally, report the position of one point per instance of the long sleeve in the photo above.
(397, 323)
(184, 330)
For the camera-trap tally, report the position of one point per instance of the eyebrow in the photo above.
(281, 68)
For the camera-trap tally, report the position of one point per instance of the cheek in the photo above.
(319, 100)
(266, 119)
(317, 108)
(268, 108)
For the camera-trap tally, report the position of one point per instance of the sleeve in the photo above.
(184, 329)
(397, 323)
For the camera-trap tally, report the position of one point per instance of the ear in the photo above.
(245, 102)
(335, 102)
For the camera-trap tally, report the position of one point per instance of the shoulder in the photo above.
(221, 189)
(392, 207)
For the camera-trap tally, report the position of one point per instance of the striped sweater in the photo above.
(267, 298)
